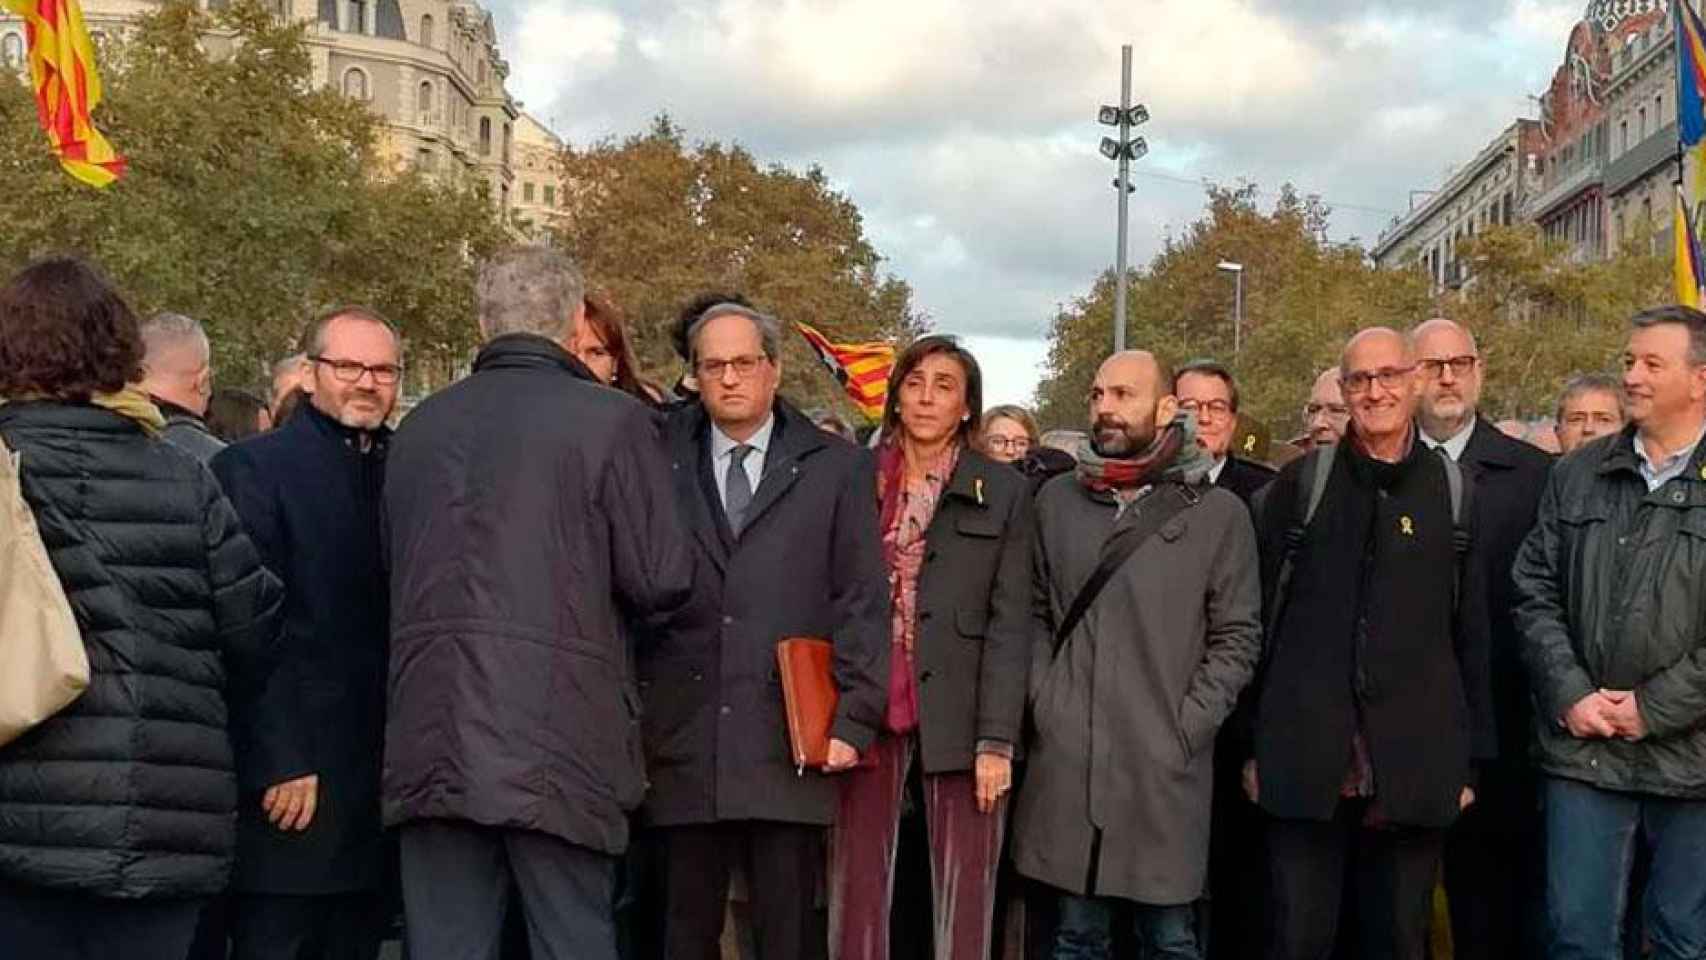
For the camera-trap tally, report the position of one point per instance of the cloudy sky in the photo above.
(965, 129)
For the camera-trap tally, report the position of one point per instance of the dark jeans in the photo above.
(345, 926)
(1591, 837)
(1086, 930)
(1387, 872)
(456, 885)
(42, 925)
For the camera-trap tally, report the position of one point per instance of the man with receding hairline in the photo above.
(1126, 700)
(311, 854)
(1373, 702)
(1493, 854)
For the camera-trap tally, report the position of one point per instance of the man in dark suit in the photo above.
(310, 850)
(785, 527)
(1493, 854)
(1207, 391)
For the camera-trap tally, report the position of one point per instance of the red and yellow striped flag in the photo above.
(67, 87)
(862, 368)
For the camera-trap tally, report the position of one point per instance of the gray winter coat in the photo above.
(1125, 714)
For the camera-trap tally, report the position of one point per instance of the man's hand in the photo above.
(994, 779)
(1252, 783)
(842, 756)
(1466, 799)
(1624, 714)
(1590, 718)
(290, 805)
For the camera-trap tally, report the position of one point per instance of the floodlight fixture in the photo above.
(1110, 148)
(1137, 116)
(1108, 115)
(1229, 266)
(1137, 149)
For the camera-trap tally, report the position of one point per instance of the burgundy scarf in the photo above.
(906, 514)
(1117, 474)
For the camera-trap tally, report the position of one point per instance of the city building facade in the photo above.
(539, 171)
(431, 69)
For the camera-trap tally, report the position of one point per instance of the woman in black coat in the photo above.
(956, 529)
(116, 813)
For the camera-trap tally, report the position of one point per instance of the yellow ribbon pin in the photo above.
(977, 487)
(1407, 526)
(1250, 443)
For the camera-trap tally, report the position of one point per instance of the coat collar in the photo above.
(1489, 447)
(970, 481)
(310, 418)
(523, 351)
(1620, 455)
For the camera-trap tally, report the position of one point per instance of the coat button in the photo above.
(924, 616)
(925, 677)
(697, 675)
(728, 620)
(1677, 496)
(727, 710)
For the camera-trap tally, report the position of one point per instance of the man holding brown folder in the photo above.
(786, 546)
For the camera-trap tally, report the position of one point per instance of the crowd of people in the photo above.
(508, 668)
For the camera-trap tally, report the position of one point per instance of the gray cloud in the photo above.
(965, 129)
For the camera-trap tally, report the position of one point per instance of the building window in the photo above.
(506, 142)
(1647, 209)
(424, 101)
(482, 73)
(1641, 125)
(527, 192)
(357, 13)
(550, 195)
(485, 136)
(1623, 137)
(426, 30)
(12, 51)
(426, 160)
(355, 83)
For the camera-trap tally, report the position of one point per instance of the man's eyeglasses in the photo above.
(743, 367)
(1007, 444)
(1359, 382)
(349, 371)
(1461, 365)
(1337, 411)
(1215, 409)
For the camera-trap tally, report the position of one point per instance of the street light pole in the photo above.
(1237, 271)
(1124, 150)
(1121, 186)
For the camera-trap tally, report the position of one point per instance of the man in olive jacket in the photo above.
(529, 518)
(1115, 806)
(1611, 582)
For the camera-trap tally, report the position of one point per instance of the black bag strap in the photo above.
(1153, 512)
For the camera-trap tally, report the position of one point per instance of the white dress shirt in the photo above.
(722, 451)
(1454, 446)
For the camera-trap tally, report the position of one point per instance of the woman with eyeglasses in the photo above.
(956, 538)
(1009, 432)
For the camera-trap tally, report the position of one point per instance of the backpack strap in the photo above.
(1154, 511)
(1311, 488)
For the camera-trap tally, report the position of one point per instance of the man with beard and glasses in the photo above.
(1130, 680)
(1493, 855)
(310, 849)
(1374, 702)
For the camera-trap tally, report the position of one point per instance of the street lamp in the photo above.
(1124, 150)
(1237, 271)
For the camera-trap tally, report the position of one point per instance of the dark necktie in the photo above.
(737, 489)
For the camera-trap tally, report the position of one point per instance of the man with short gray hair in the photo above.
(1591, 405)
(531, 525)
(789, 545)
(177, 372)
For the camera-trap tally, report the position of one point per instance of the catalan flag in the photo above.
(862, 368)
(67, 87)
(1690, 272)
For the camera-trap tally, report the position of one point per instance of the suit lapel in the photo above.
(793, 440)
(694, 489)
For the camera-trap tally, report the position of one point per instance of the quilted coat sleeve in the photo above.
(1555, 671)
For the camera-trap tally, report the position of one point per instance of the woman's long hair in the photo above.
(606, 322)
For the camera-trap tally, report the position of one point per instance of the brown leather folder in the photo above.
(808, 697)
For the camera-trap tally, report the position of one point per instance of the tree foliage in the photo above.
(253, 198)
(1539, 315)
(655, 222)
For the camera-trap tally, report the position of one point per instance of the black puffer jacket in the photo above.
(129, 791)
(1612, 582)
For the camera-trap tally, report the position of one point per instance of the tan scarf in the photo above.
(129, 402)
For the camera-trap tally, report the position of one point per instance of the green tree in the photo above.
(1301, 298)
(253, 198)
(655, 222)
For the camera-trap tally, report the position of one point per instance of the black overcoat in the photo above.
(309, 498)
(808, 564)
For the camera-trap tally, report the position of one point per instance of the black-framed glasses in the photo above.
(1460, 366)
(351, 371)
(1216, 409)
(995, 441)
(744, 367)
(1359, 382)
